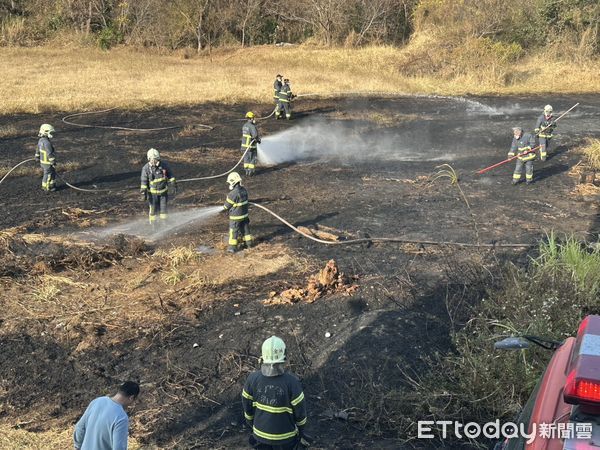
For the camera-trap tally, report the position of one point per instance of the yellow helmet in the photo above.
(46, 130)
(273, 350)
(249, 115)
(548, 109)
(233, 178)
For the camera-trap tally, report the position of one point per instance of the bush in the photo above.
(549, 298)
(109, 37)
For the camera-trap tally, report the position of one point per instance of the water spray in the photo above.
(161, 227)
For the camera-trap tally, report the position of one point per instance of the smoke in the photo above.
(161, 228)
(349, 141)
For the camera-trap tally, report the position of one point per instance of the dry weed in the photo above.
(8, 131)
(591, 150)
(80, 80)
(19, 439)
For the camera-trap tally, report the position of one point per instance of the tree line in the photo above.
(202, 24)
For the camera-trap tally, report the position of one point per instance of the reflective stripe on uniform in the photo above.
(274, 437)
(232, 240)
(238, 217)
(158, 191)
(245, 394)
(237, 204)
(298, 399)
(272, 409)
(248, 416)
(302, 422)
(248, 237)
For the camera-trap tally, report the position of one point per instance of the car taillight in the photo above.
(583, 382)
(577, 391)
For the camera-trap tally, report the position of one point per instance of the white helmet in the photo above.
(153, 154)
(46, 130)
(233, 178)
(273, 350)
(548, 109)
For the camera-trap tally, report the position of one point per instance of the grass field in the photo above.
(69, 79)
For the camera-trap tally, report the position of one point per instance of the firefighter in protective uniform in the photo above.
(44, 153)
(237, 206)
(156, 178)
(250, 139)
(544, 127)
(285, 99)
(521, 145)
(273, 402)
(277, 84)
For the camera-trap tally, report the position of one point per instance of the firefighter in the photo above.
(156, 178)
(276, 88)
(250, 139)
(273, 402)
(44, 153)
(521, 145)
(285, 99)
(237, 206)
(543, 129)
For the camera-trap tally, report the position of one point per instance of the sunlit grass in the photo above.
(72, 79)
(592, 153)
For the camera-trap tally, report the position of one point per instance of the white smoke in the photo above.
(162, 227)
(347, 142)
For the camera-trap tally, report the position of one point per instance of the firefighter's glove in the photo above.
(37, 157)
(258, 140)
(174, 185)
(144, 195)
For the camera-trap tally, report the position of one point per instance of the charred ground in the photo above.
(121, 309)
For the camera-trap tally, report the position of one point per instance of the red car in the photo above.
(563, 412)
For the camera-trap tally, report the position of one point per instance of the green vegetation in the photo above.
(549, 298)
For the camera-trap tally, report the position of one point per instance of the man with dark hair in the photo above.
(105, 425)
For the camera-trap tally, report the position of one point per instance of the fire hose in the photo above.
(8, 173)
(107, 127)
(210, 177)
(386, 239)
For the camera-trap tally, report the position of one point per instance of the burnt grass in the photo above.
(397, 318)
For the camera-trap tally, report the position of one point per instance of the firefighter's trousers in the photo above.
(284, 107)
(239, 233)
(544, 147)
(519, 170)
(250, 161)
(157, 204)
(49, 178)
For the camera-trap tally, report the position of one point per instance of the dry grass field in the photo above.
(75, 78)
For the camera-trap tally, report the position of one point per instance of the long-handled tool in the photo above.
(493, 166)
(512, 158)
(559, 117)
